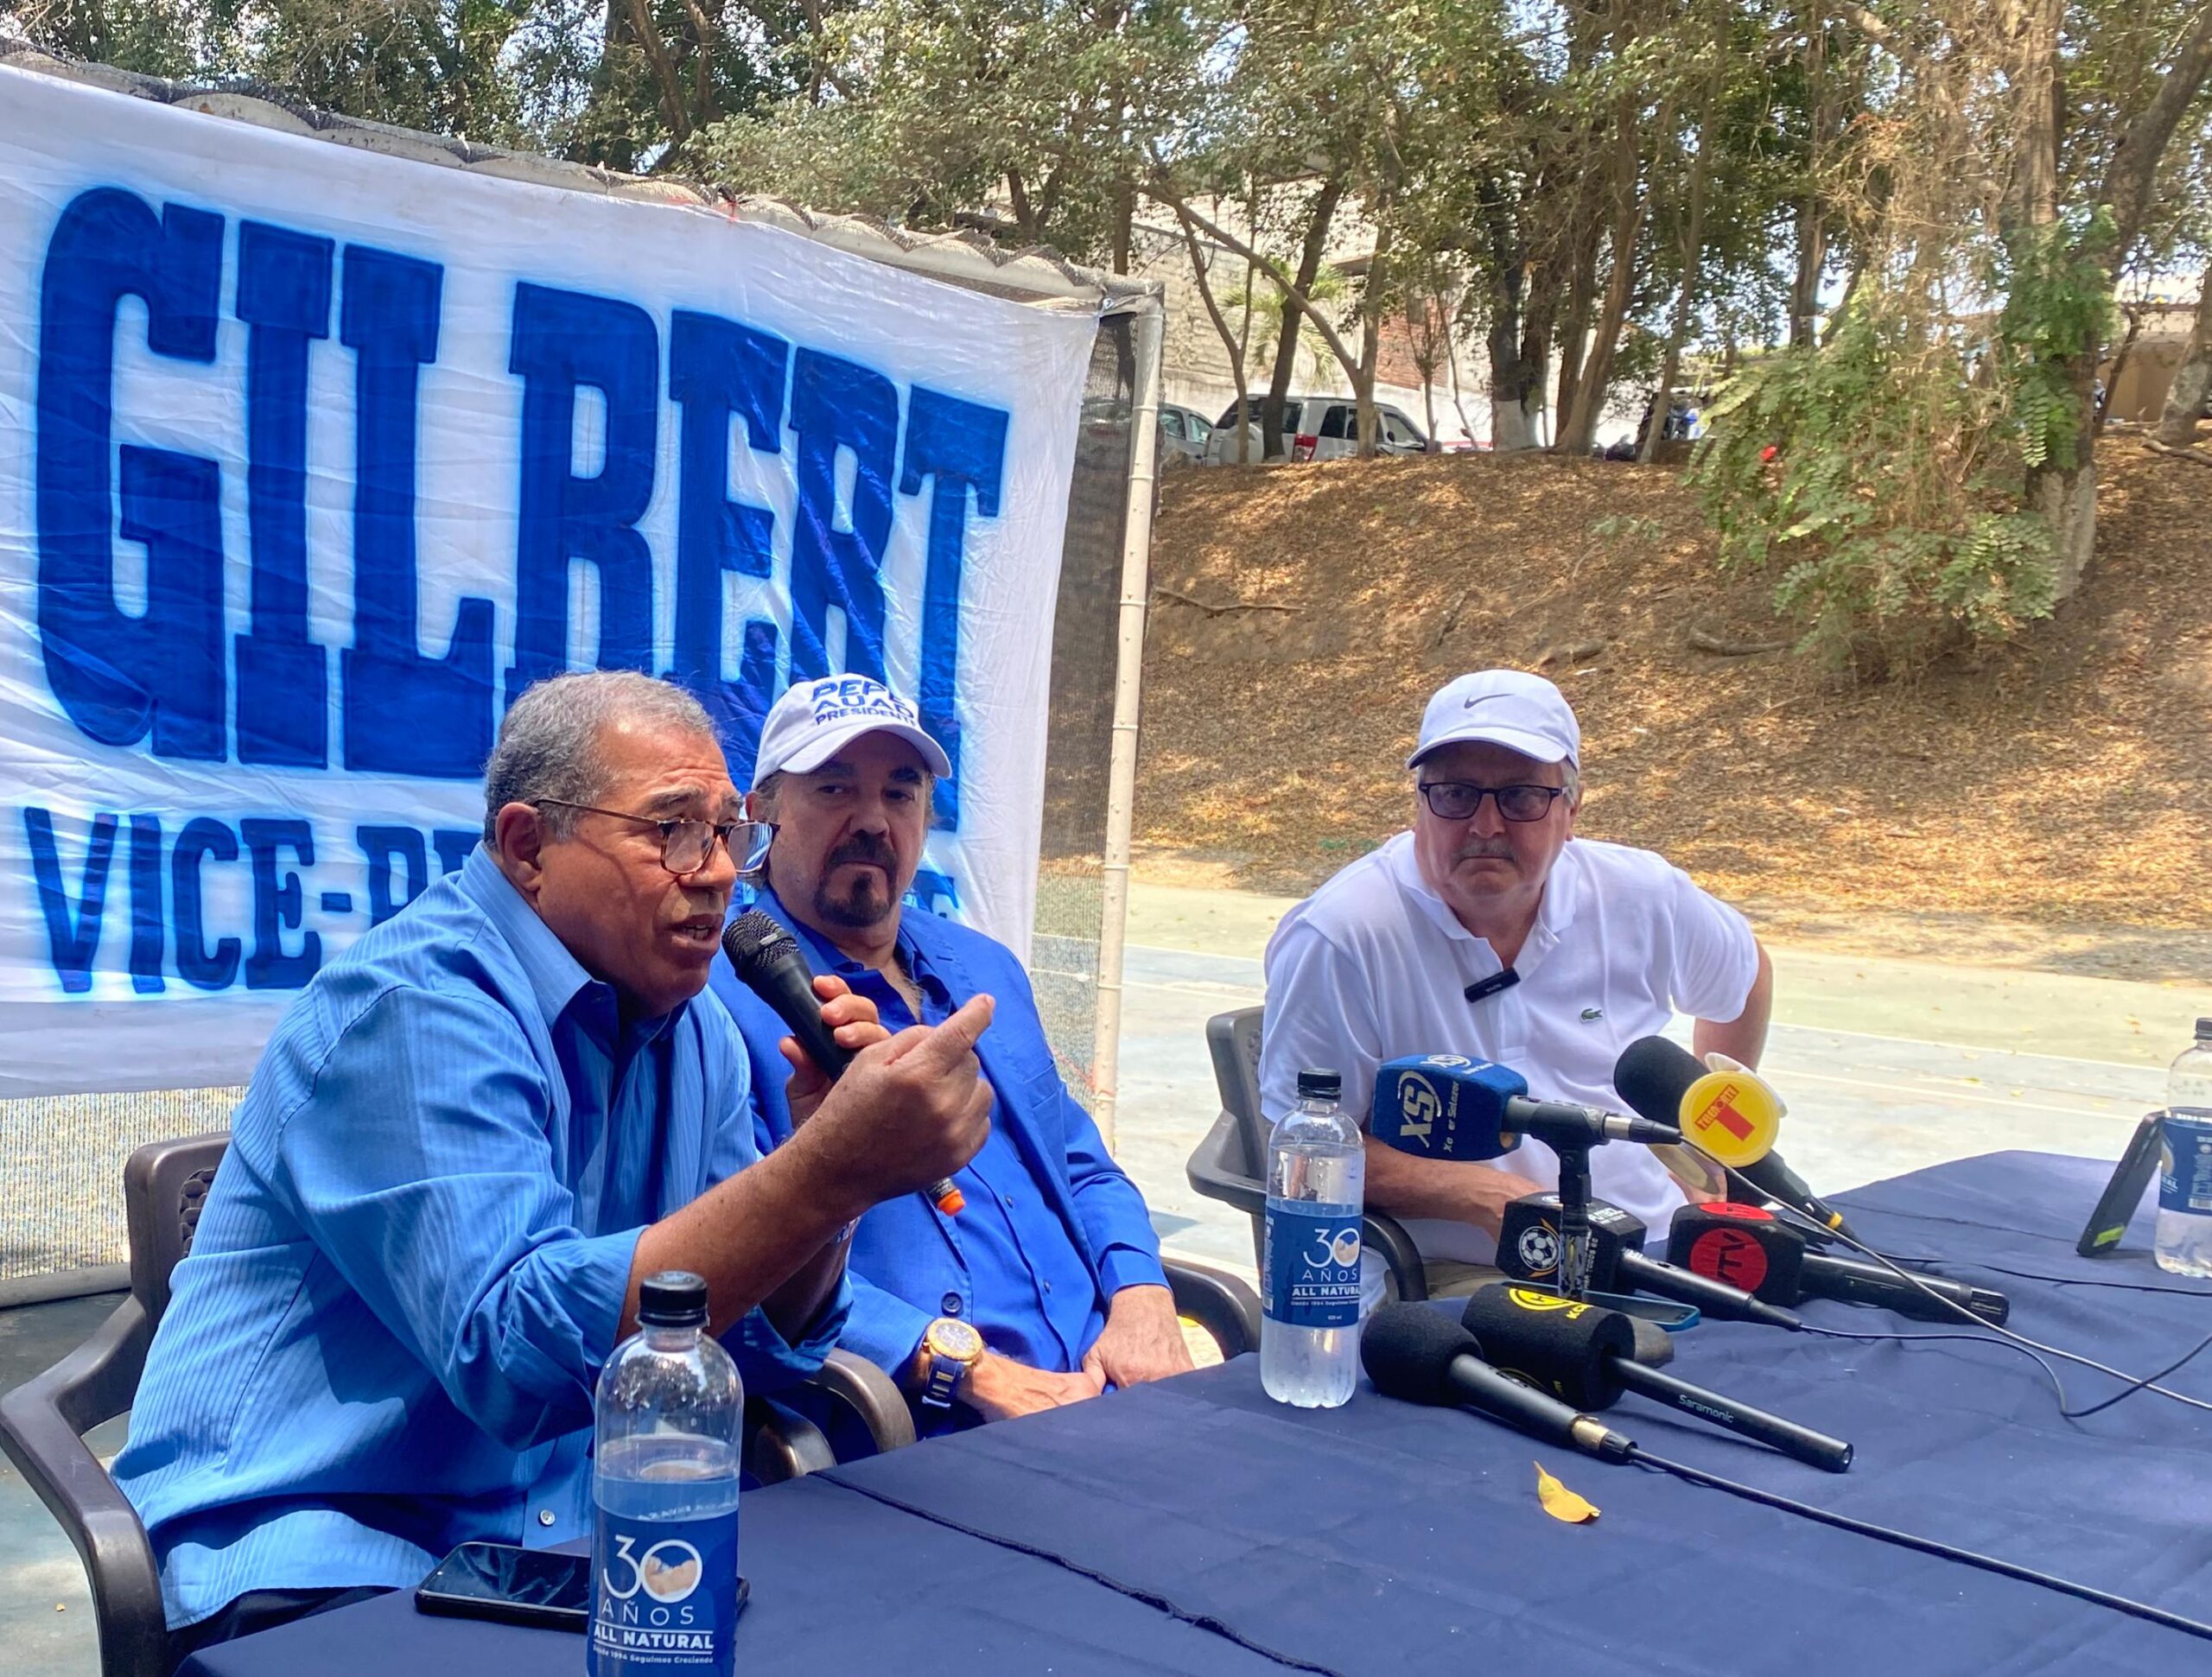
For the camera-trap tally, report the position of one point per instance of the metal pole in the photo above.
(1128, 677)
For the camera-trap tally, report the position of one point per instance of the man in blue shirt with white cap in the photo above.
(1046, 1287)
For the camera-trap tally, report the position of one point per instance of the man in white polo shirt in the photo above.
(1491, 931)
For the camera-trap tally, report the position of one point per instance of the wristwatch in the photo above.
(949, 1348)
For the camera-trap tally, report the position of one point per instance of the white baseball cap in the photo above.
(805, 727)
(1508, 708)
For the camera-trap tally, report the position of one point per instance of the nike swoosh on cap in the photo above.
(1479, 698)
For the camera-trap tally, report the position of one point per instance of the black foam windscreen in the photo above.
(1557, 1344)
(1408, 1349)
(1655, 1346)
(1742, 1245)
(1652, 1077)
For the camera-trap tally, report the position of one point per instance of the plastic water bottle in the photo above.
(670, 1411)
(1317, 1176)
(2184, 1238)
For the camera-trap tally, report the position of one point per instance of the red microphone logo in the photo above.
(1730, 1255)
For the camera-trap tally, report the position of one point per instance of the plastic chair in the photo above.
(1230, 1163)
(43, 1420)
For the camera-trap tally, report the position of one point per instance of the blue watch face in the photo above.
(952, 1346)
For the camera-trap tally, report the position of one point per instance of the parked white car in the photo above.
(1316, 428)
(1183, 434)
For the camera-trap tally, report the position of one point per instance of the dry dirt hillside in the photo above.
(2058, 791)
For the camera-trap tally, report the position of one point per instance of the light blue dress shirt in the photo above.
(415, 1253)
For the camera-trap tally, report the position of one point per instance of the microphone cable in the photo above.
(1989, 1330)
(2141, 1383)
(1928, 1546)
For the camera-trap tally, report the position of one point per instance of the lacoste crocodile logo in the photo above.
(1589, 1013)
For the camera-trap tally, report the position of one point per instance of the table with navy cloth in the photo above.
(1193, 1526)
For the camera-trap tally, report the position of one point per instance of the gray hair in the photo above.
(1572, 781)
(548, 744)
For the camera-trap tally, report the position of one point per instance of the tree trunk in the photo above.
(2193, 378)
(1578, 424)
(1512, 429)
(1692, 255)
(1370, 345)
(1309, 265)
(1213, 309)
(1812, 209)
(1574, 329)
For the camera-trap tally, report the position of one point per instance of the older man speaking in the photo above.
(1492, 931)
(467, 1143)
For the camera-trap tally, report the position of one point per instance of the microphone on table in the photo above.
(1746, 1247)
(1528, 1248)
(774, 967)
(1730, 1115)
(1422, 1356)
(1445, 1106)
(1585, 1356)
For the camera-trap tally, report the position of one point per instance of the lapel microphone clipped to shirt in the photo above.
(1482, 988)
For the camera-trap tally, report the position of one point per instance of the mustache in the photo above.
(1475, 848)
(864, 847)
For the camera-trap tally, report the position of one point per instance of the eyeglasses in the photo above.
(686, 845)
(1456, 800)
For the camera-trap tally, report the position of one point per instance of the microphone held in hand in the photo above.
(1667, 1084)
(768, 959)
(1418, 1354)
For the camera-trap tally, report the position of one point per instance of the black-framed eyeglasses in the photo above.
(686, 845)
(1458, 800)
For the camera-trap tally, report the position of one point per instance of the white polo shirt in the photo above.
(1375, 965)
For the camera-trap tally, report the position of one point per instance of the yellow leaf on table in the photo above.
(1562, 1504)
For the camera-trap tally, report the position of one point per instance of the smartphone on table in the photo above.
(518, 1586)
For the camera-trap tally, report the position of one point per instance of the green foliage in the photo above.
(1883, 474)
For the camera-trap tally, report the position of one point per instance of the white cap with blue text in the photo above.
(1508, 708)
(806, 728)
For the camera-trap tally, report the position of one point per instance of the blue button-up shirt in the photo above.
(413, 1260)
(1036, 1300)
(1054, 1227)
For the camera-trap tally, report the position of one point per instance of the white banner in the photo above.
(311, 458)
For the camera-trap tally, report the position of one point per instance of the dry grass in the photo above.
(2064, 782)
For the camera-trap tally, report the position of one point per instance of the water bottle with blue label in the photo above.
(671, 1409)
(2184, 1238)
(1310, 1271)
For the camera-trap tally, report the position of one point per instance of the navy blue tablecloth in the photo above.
(1382, 1537)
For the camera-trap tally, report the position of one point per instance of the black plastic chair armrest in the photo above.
(40, 1424)
(1387, 1235)
(1217, 1302)
(780, 1445)
(1210, 1176)
(872, 1396)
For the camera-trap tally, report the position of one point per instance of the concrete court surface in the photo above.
(1887, 1066)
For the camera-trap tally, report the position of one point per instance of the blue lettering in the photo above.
(564, 340)
(277, 904)
(382, 844)
(718, 369)
(404, 714)
(963, 447)
(115, 675)
(148, 928)
(284, 294)
(839, 405)
(201, 838)
(72, 938)
(453, 845)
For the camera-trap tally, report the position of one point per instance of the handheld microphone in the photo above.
(1584, 1355)
(1529, 1248)
(1656, 1076)
(1445, 1106)
(1422, 1356)
(1747, 1248)
(769, 960)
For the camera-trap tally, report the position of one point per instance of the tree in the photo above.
(2192, 384)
